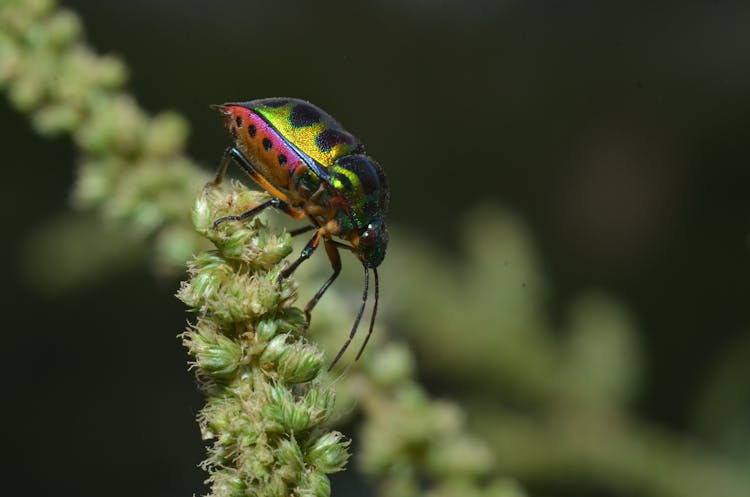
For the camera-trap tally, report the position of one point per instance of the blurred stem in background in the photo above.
(552, 404)
(132, 170)
(562, 417)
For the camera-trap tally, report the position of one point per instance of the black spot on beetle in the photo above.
(304, 115)
(251, 131)
(238, 120)
(365, 169)
(330, 137)
(282, 160)
(267, 144)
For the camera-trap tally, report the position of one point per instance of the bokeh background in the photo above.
(614, 133)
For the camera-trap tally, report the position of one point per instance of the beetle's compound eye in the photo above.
(369, 236)
(373, 241)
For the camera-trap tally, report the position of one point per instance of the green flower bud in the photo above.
(29, 89)
(219, 416)
(276, 349)
(226, 293)
(391, 365)
(329, 453)
(291, 415)
(320, 402)
(275, 486)
(110, 72)
(289, 456)
(63, 28)
(227, 484)
(266, 330)
(115, 126)
(166, 135)
(247, 240)
(96, 181)
(202, 213)
(10, 59)
(53, 119)
(460, 456)
(209, 272)
(314, 484)
(295, 361)
(293, 320)
(217, 355)
(282, 411)
(257, 462)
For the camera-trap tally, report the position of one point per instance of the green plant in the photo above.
(267, 401)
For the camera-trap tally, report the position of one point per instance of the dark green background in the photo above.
(617, 131)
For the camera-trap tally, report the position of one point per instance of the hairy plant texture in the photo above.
(267, 403)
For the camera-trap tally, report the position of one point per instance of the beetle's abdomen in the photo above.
(262, 144)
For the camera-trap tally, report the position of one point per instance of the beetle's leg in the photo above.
(304, 255)
(225, 159)
(304, 229)
(232, 153)
(274, 202)
(335, 258)
(317, 193)
(281, 201)
(356, 323)
(343, 246)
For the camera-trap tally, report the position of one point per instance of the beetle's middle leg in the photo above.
(304, 255)
(335, 258)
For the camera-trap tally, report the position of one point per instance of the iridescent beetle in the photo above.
(314, 169)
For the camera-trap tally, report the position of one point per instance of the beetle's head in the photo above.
(373, 241)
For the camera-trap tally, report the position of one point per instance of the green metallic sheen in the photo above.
(307, 138)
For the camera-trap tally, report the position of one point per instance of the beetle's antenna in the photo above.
(356, 321)
(374, 313)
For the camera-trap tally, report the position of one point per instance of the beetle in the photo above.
(314, 169)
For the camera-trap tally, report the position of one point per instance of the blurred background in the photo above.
(592, 155)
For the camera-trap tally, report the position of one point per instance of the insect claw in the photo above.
(222, 220)
(279, 280)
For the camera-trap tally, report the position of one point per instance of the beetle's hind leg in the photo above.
(226, 158)
(233, 154)
(281, 201)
